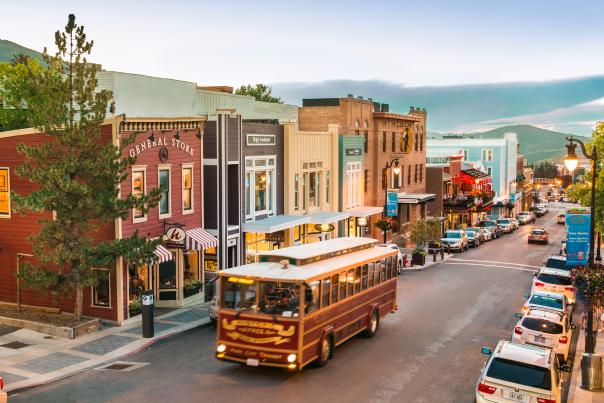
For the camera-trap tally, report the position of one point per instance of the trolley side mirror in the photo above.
(518, 315)
(486, 351)
(526, 295)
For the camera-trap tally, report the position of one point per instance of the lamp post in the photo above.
(571, 161)
(395, 165)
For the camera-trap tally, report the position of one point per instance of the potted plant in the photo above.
(418, 256)
(135, 307)
(191, 287)
(419, 236)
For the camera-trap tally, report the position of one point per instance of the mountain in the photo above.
(8, 49)
(536, 144)
(571, 105)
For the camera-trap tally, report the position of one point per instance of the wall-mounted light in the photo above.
(362, 221)
(151, 136)
(177, 135)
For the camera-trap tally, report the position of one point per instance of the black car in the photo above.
(493, 225)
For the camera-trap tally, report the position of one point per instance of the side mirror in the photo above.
(518, 315)
(486, 351)
(526, 295)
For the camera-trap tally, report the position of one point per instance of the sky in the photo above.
(414, 43)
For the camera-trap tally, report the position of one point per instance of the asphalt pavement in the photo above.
(429, 351)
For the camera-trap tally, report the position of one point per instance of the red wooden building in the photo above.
(169, 154)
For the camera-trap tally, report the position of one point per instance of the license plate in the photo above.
(253, 362)
(539, 339)
(515, 396)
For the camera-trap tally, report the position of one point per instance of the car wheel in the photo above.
(374, 324)
(400, 267)
(325, 351)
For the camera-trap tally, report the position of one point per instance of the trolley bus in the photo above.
(297, 304)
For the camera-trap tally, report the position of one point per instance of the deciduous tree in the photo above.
(261, 92)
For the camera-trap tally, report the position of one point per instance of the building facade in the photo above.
(387, 137)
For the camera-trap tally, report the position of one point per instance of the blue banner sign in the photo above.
(577, 241)
(391, 204)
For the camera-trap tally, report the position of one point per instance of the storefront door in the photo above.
(166, 282)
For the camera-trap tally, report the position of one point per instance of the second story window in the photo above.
(487, 155)
(393, 141)
(409, 175)
(187, 189)
(296, 192)
(4, 193)
(138, 191)
(164, 184)
(384, 141)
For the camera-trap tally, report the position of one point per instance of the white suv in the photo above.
(545, 329)
(399, 256)
(554, 280)
(521, 373)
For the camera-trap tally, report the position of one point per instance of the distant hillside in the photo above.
(8, 49)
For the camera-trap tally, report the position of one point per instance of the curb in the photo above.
(150, 342)
(427, 265)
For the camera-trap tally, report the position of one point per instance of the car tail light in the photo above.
(538, 284)
(569, 289)
(518, 330)
(563, 339)
(544, 400)
(486, 388)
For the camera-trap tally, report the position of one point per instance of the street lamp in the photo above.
(571, 162)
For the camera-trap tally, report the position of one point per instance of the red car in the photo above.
(538, 235)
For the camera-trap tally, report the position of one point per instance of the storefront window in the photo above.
(248, 201)
(101, 292)
(138, 190)
(261, 191)
(187, 189)
(4, 193)
(192, 281)
(164, 183)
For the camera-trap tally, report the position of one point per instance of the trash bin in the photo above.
(148, 304)
(591, 371)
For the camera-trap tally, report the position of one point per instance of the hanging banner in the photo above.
(577, 238)
(391, 204)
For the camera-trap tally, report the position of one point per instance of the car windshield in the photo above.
(505, 221)
(520, 373)
(556, 263)
(549, 302)
(537, 232)
(541, 325)
(244, 294)
(553, 279)
(452, 234)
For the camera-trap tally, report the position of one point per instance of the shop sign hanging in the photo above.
(391, 204)
(577, 241)
(175, 236)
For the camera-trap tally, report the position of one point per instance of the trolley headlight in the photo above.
(291, 357)
(220, 348)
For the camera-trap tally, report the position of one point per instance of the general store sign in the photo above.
(159, 142)
(260, 139)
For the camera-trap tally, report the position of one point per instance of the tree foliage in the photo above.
(261, 92)
(76, 174)
(581, 191)
(546, 170)
(422, 231)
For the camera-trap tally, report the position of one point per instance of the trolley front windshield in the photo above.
(264, 297)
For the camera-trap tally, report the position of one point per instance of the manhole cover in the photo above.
(118, 367)
(15, 345)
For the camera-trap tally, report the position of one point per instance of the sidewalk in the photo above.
(575, 393)
(429, 261)
(29, 358)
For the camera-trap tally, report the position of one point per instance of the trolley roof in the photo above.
(312, 252)
(280, 272)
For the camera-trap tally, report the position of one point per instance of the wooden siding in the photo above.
(209, 140)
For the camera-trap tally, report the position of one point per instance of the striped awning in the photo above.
(163, 254)
(199, 239)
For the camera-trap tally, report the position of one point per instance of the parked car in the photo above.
(478, 231)
(506, 225)
(543, 207)
(561, 218)
(492, 224)
(554, 280)
(487, 234)
(400, 260)
(548, 301)
(538, 235)
(474, 237)
(536, 211)
(455, 239)
(556, 262)
(520, 372)
(3, 395)
(515, 223)
(526, 216)
(545, 329)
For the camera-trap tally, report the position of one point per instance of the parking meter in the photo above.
(148, 304)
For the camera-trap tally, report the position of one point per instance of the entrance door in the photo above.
(167, 281)
(232, 256)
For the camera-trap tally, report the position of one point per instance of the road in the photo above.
(429, 351)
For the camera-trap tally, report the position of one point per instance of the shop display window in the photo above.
(192, 281)
(167, 275)
(4, 192)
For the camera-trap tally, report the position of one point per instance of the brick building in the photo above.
(388, 137)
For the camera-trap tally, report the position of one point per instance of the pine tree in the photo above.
(75, 173)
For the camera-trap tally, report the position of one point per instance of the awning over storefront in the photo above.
(327, 217)
(199, 239)
(415, 198)
(364, 211)
(163, 254)
(275, 223)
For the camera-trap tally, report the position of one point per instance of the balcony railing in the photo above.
(465, 202)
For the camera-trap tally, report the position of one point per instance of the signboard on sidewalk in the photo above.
(391, 204)
(577, 241)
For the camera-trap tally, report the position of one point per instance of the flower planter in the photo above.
(189, 291)
(417, 259)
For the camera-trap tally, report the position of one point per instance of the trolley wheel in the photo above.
(374, 324)
(325, 351)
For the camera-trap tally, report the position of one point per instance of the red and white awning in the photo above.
(163, 254)
(199, 239)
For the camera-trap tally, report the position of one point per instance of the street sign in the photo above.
(391, 204)
(577, 241)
